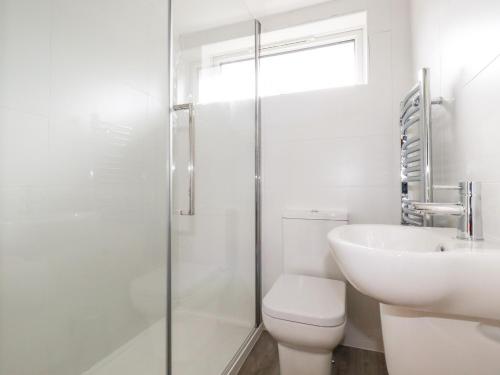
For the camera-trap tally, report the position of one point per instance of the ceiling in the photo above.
(196, 15)
(262, 8)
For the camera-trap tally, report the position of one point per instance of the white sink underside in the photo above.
(404, 266)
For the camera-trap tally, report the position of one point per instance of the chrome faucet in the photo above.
(468, 210)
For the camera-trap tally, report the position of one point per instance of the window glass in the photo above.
(313, 56)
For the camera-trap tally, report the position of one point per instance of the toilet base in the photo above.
(298, 361)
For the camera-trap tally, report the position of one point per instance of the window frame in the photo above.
(357, 35)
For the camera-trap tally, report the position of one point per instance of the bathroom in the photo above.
(249, 187)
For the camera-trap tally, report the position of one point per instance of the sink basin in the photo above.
(426, 269)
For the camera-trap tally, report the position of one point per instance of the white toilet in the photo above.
(305, 309)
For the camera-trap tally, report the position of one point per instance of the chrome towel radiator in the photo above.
(416, 150)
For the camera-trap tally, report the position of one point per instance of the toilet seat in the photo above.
(304, 336)
(306, 316)
(306, 300)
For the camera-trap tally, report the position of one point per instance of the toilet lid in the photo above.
(308, 300)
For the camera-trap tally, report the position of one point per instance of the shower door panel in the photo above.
(213, 250)
(83, 187)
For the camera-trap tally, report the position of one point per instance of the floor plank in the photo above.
(263, 360)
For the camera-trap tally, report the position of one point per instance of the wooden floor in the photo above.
(263, 360)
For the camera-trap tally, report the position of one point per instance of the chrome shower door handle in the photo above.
(191, 161)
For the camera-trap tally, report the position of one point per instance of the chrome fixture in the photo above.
(416, 149)
(468, 209)
(258, 179)
(416, 169)
(190, 108)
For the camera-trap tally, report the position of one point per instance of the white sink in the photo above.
(425, 269)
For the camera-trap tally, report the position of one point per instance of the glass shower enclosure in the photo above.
(83, 187)
(129, 186)
(215, 183)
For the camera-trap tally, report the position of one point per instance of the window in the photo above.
(313, 57)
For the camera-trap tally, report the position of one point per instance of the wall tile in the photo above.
(25, 55)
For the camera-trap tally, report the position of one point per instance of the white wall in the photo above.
(339, 148)
(459, 41)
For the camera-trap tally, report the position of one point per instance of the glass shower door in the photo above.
(83, 186)
(213, 187)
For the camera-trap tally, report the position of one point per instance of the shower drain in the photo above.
(441, 248)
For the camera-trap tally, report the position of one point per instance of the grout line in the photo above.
(497, 57)
(7, 108)
(362, 348)
(327, 139)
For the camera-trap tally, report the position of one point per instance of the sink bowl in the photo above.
(426, 269)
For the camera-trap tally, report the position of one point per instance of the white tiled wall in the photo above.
(459, 41)
(339, 148)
